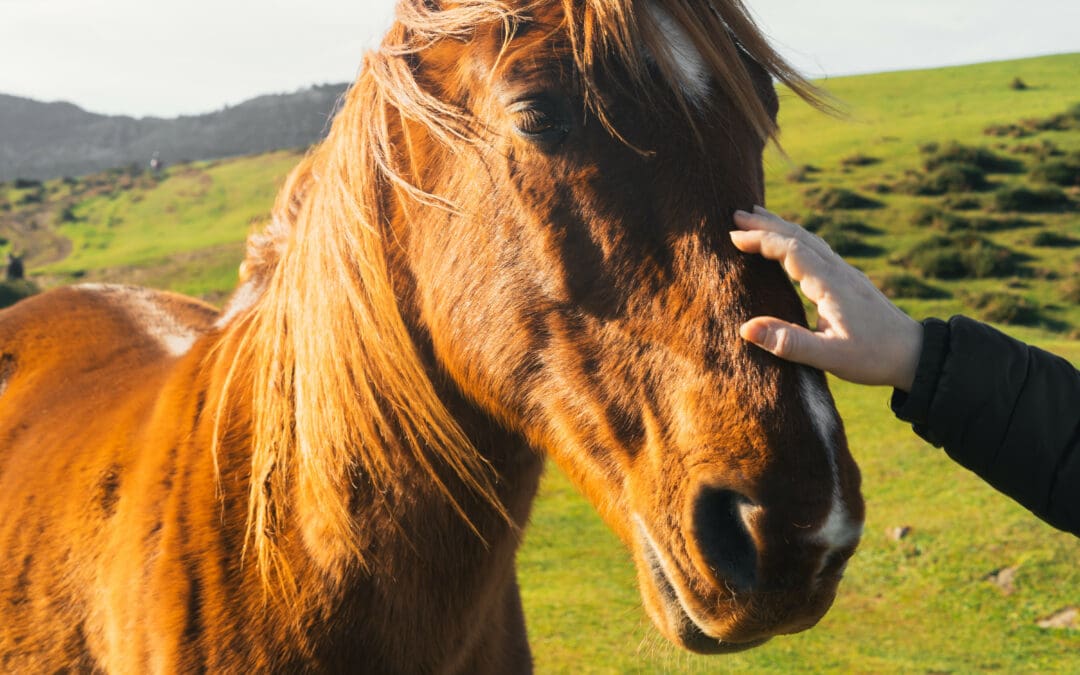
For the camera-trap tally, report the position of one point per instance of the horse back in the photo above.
(82, 375)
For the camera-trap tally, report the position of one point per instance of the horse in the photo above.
(512, 245)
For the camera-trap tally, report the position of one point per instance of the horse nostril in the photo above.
(723, 539)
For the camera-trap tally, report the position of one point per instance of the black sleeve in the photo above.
(1007, 411)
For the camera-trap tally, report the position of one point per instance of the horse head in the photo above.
(545, 190)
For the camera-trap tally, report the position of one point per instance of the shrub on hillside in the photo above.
(961, 256)
(818, 222)
(878, 188)
(26, 183)
(1028, 200)
(66, 216)
(1006, 308)
(829, 199)
(1048, 239)
(939, 219)
(958, 153)
(1063, 172)
(802, 173)
(1008, 130)
(1066, 121)
(908, 286)
(961, 203)
(36, 197)
(857, 160)
(951, 177)
(1041, 150)
(1018, 85)
(13, 291)
(814, 221)
(951, 222)
(849, 244)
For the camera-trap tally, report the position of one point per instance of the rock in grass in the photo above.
(1063, 619)
(1004, 579)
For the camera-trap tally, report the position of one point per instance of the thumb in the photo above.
(786, 340)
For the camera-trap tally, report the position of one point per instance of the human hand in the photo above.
(860, 337)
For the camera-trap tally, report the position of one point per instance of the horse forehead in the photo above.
(693, 72)
(150, 312)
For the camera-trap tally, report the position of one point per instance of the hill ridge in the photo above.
(42, 140)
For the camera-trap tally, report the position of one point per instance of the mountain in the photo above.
(46, 140)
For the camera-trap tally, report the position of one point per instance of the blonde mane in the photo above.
(323, 358)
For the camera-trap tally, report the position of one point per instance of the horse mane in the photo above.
(322, 357)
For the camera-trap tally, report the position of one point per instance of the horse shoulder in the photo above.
(82, 376)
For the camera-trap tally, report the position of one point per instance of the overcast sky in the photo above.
(148, 57)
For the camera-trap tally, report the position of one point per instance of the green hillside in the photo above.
(957, 190)
(952, 164)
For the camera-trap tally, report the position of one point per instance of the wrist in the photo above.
(908, 352)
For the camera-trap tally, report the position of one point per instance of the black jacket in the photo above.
(1005, 410)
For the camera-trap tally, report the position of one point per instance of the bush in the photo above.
(1048, 239)
(908, 286)
(858, 159)
(1042, 149)
(1063, 172)
(1018, 85)
(878, 188)
(981, 158)
(1008, 130)
(1007, 308)
(66, 216)
(801, 173)
(939, 219)
(962, 203)
(848, 244)
(948, 177)
(26, 183)
(32, 197)
(839, 198)
(964, 256)
(1027, 200)
(13, 291)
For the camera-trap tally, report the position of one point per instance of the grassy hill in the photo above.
(983, 244)
(922, 183)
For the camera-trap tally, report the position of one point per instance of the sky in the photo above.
(147, 57)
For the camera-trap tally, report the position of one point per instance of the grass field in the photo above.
(965, 588)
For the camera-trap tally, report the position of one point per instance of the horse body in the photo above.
(131, 566)
(513, 243)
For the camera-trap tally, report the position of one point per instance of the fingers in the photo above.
(786, 340)
(764, 220)
(798, 259)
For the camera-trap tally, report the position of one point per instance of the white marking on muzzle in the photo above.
(838, 530)
(693, 71)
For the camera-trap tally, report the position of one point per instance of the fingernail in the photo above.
(752, 332)
(740, 212)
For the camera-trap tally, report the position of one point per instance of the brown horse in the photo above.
(512, 244)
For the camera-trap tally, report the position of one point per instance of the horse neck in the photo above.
(418, 558)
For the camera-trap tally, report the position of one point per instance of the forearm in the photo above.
(1005, 410)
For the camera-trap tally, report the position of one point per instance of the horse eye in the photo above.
(540, 120)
